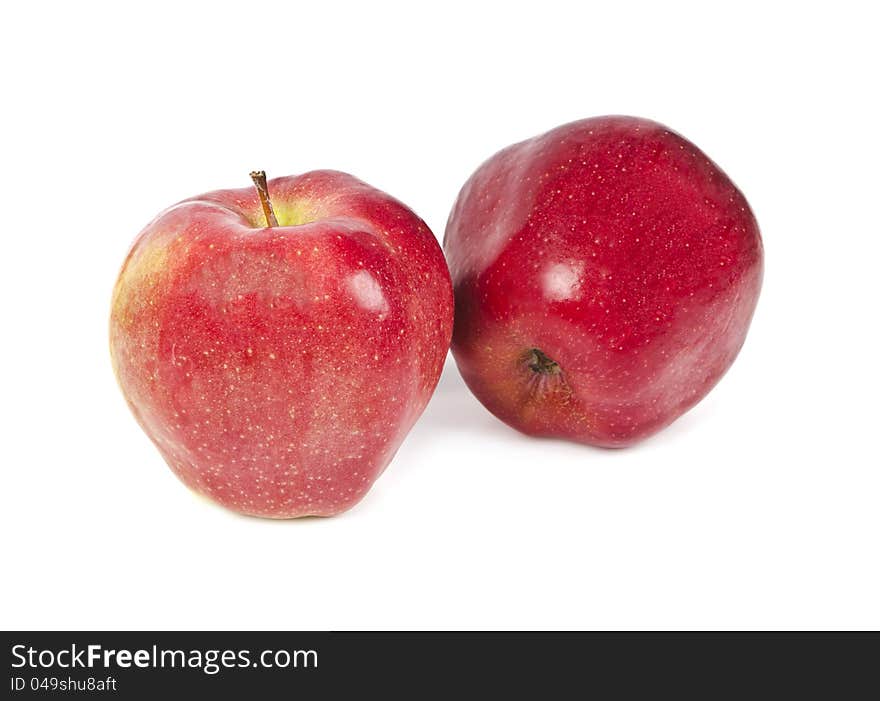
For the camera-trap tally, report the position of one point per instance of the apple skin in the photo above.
(278, 369)
(605, 276)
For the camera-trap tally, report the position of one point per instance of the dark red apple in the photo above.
(278, 368)
(605, 275)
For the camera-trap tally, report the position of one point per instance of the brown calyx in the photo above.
(541, 363)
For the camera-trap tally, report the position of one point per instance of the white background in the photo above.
(760, 508)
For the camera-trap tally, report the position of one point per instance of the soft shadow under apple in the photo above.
(454, 408)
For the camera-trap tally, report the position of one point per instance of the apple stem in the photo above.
(259, 178)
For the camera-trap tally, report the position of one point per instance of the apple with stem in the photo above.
(605, 276)
(277, 349)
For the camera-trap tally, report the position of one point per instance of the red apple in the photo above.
(278, 368)
(605, 275)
